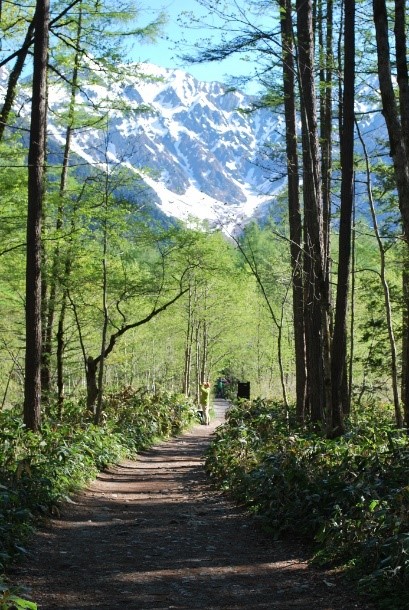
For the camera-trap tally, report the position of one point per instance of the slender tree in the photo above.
(385, 287)
(339, 344)
(49, 305)
(92, 363)
(36, 163)
(187, 369)
(325, 37)
(316, 280)
(396, 114)
(294, 212)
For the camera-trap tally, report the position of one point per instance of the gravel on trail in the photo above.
(154, 534)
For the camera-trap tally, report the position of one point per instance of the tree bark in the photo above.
(60, 356)
(92, 386)
(188, 347)
(55, 274)
(36, 164)
(199, 380)
(402, 66)
(396, 119)
(316, 288)
(405, 341)
(98, 410)
(204, 352)
(339, 344)
(397, 137)
(350, 374)
(326, 44)
(294, 212)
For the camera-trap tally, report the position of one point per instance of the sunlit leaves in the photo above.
(351, 494)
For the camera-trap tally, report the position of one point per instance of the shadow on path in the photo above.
(154, 534)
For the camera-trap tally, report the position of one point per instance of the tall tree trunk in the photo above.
(397, 138)
(204, 354)
(188, 347)
(402, 66)
(339, 345)
(403, 84)
(405, 341)
(36, 164)
(204, 348)
(316, 288)
(199, 381)
(60, 356)
(98, 411)
(104, 262)
(294, 212)
(326, 163)
(350, 374)
(396, 118)
(326, 73)
(55, 275)
(92, 386)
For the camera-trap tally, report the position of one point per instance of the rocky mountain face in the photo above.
(194, 149)
(201, 155)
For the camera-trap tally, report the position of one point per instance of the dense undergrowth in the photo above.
(350, 495)
(38, 471)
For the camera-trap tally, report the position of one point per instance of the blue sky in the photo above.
(164, 53)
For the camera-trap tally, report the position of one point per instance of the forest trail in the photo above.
(154, 534)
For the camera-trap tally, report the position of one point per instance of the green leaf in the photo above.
(22, 604)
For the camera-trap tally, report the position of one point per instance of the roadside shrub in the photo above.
(350, 495)
(37, 471)
(141, 418)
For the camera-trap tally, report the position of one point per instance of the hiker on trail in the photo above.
(204, 400)
(220, 388)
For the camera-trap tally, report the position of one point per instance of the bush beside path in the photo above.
(153, 534)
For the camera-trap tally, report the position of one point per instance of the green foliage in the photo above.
(372, 352)
(349, 495)
(38, 471)
(142, 417)
(10, 598)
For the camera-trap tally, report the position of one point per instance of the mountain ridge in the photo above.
(196, 149)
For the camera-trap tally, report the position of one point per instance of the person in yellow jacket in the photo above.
(204, 399)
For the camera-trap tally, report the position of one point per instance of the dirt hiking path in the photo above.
(154, 534)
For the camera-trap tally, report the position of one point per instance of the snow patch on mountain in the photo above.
(195, 144)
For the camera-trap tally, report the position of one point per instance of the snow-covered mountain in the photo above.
(199, 153)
